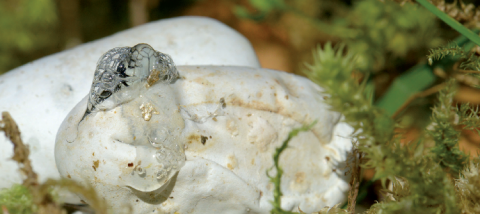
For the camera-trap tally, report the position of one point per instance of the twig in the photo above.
(462, 78)
(41, 198)
(468, 71)
(41, 195)
(20, 151)
(425, 93)
(355, 169)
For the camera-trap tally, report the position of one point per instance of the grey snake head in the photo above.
(121, 71)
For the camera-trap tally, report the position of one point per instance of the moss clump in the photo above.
(17, 199)
(31, 196)
(388, 31)
(444, 132)
(467, 187)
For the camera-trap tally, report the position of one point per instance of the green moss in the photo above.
(424, 171)
(429, 188)
(17, 199)
(444, 132)
(467, 187)
(471, 62)
(389, 31)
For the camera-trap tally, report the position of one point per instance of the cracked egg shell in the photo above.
(228, 121)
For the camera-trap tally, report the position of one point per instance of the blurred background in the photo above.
(389, 37)
(392, 36)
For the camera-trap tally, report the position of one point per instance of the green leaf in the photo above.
(415, 80)
(451, 22)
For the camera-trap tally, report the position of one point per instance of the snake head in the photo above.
(123, 72)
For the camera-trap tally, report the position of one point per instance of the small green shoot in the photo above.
(277, 194)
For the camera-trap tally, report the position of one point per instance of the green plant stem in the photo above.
(277, 194)
(450, 21)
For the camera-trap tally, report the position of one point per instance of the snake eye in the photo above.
(121, 70)
(105, 94)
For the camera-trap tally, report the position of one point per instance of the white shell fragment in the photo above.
(40, 94)
(211, 143)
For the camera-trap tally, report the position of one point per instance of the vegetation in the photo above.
(31, 196)
(27, 26)
(371, 40)
(425, 173)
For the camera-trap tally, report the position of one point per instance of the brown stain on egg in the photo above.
(96, 164)
(203, 139)
(193, 137)
(276, 108)
(299, 177)
(232, 127)
(232, 162)
(282, 105)
(203, 81)
(254, 104)
(222, 102)
(199, 143)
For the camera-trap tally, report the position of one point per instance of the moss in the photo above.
(429, 188)
(31, 196)
(17, 199)
(444, 132)
(389, 31)
(467, 188)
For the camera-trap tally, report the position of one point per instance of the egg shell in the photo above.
(233, 120)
